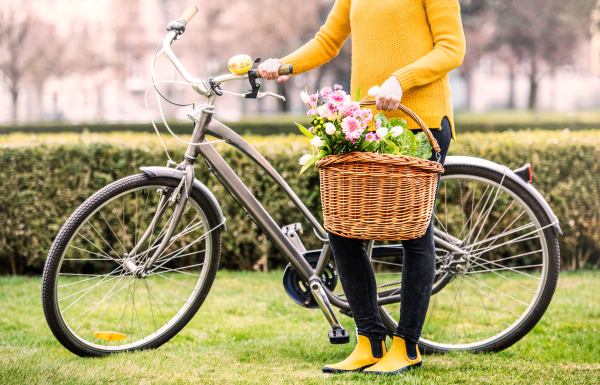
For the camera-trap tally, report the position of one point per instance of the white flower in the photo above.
(374, 91)
(397, 131)
(305, 159)
(317, 141)
(304, 96)
(330, 128)
(381, 132)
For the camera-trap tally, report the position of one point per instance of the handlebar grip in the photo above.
(189, 13)
(286, 69)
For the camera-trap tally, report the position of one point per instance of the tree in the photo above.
(544, 33)
(282, 27)
(475, 17)
(30, 50)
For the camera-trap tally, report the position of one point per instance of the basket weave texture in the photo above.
(379, 197)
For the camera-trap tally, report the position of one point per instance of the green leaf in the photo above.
(372, 146)
(409, 143)
(424, 150)
(358, 94)
(394, 122)
(313, 160)
(304, 130)
(388, 147)
(363, 145)
(327, 141)
(383, 118)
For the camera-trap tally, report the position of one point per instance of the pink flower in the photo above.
(312, 130)
(351, 128)
(312, 112)
(313, 99)
(325, 112)
(378, 123)
(332, 107)
(326, 91)
(350, 109)
(371, 137)
(337, 87)
(339, 97)
(366, 114)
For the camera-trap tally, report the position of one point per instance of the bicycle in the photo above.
(134, 263)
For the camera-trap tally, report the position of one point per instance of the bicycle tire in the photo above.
(71, 226)
(551, 278)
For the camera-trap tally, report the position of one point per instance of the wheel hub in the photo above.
(129, 264)
(457, 266)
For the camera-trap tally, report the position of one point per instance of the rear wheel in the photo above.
(490, 297)
(92, 301)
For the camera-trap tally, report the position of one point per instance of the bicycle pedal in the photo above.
(297, 227)
(339, 336)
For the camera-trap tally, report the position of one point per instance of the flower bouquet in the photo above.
(340, 126)
(376, 180)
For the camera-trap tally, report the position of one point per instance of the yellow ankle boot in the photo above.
(397, 359)
(362, 357)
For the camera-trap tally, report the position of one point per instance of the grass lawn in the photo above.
(249, 332)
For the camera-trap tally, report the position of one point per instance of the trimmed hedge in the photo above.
(264, 128)
(43, 178)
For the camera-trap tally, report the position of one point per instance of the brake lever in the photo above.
(254, 92)
(263, 94)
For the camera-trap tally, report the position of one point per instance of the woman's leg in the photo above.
(358, 281)
(418, 268)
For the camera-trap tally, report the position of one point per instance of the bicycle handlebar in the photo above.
(200, 85)
(189, 13)
(286, 69)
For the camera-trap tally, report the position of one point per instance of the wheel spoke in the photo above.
(506, 258)
(92, 295)
(177, 270)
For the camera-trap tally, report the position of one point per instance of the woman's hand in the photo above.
(270, 70)
(390, 95)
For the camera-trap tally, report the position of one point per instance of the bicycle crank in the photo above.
(299, 290)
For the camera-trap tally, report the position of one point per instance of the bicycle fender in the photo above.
(157, 171)
(508, 173)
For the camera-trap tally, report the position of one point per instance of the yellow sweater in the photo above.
(418, 41)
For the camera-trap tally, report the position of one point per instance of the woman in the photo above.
(408, 46)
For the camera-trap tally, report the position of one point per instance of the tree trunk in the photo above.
(511, 88)
(283, 106)
(468, 77)
(14, 96)
(39, 88)
(533, 88)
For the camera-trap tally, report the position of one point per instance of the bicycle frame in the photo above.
(226, 176)
(205, 125)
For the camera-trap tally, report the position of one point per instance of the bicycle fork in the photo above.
(179, 196)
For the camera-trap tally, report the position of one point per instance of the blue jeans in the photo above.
(418, 271)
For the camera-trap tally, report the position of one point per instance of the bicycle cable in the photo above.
(153, 79)
(153, 85)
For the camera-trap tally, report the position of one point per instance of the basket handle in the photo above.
(414, 117)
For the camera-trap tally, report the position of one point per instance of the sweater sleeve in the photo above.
(327, 42)
(448, 50)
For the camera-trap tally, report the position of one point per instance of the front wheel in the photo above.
(92, 301)
(492, 295)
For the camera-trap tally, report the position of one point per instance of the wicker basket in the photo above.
(379, 196)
